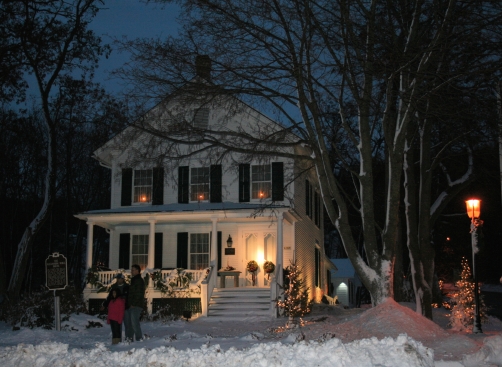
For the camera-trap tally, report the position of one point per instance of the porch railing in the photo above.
(206, 289)
(107, 277)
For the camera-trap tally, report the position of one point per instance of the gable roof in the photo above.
(102, 154)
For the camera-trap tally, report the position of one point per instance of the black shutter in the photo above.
(126, 197)
(158, 251)
(158, 186)
(124, 250)
(307, 198)
(215, 183)
(244, 183)
(316, 208)
(277, 181)
(218, 264)
(317, 266)
(183, 184)
(182, 256)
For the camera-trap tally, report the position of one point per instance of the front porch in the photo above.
(181, 289)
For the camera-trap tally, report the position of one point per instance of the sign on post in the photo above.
(56, 277)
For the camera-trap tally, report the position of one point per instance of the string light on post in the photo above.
(474, 211)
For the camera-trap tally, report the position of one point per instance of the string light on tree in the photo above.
(296, 298)
(463, 312)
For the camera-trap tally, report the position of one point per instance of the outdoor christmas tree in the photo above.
(296, 298)
(462, 314)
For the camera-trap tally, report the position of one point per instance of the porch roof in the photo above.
(191, 207)
(109, 218)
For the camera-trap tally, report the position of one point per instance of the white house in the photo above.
(345, 282)
(203, 212)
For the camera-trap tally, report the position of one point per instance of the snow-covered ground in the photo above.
(388, 335)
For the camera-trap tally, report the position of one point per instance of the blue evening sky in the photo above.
(133, 19)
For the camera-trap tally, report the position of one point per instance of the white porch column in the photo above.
(151, 244)
(90, 241)
(214, 242)
(280, 244)
(280, 256)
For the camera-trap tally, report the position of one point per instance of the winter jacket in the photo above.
(116, 310)
(136, 297)
(123, 289)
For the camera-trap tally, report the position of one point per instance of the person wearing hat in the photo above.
(123, 290)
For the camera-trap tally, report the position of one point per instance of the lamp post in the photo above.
(473, 211)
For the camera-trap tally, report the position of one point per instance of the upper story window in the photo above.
(313, 203)
(201, 118)
(261, 181)
(143, 180)
(199, 183)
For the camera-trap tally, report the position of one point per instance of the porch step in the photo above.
(233, 303)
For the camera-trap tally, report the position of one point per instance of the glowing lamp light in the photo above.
(201, 197)
(473, 208)
(261, 194)
(143, 198)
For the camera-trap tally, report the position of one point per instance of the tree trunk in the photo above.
(24, 246)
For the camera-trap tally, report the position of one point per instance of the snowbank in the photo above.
(400, 352)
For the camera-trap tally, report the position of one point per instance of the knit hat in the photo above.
(119, 276)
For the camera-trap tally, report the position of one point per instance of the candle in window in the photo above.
(201, 197)
(261, 194)
(143, 198)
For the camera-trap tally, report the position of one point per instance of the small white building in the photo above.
(345, 282)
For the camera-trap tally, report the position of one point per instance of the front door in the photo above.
(261, 246)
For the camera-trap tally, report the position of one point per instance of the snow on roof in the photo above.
(345, 268)
(191, 207)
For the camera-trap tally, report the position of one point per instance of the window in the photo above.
(142, 186)
(199, 251)
(140, 250)
(199, 183)
(201, 118)
(313, 204)
(261, 181)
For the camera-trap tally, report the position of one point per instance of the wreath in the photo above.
(269, 267)
(252, 266)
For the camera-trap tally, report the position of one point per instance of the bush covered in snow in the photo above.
(37, 308)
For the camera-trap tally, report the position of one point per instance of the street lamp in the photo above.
(473, 211)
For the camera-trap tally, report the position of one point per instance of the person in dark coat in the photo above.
(135, 303)
(116, 311)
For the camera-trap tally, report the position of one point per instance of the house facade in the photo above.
(207, 213)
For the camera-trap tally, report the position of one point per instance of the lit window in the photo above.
(261, 181)
(143, 185)
(199, 251)
(199, 184)
(140, 250)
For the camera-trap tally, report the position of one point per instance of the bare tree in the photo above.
(357, 72)
(49, 40)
